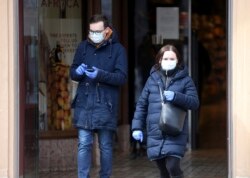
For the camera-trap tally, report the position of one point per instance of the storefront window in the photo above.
(60, 31)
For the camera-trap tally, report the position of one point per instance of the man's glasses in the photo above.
(95, 32)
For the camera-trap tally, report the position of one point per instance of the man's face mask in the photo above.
(96, 37)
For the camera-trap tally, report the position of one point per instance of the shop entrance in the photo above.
(199, 33)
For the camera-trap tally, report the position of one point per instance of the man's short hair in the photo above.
(99, 18)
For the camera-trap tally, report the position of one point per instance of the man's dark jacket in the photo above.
(96, 102)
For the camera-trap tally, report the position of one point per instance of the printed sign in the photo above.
(167, 22)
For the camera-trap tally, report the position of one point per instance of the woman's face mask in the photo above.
(169, 61)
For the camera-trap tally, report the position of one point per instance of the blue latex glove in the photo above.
(81, 69)
(137, 135)
(93, 74)
(169, 95)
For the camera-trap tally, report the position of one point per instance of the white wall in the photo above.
(8, 84)
(239, 87)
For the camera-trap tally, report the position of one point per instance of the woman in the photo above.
(171, 75)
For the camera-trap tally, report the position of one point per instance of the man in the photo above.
(100, 67)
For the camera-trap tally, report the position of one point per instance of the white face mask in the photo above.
(96, 37)
(168, 64)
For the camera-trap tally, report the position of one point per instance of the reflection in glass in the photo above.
(60, 31)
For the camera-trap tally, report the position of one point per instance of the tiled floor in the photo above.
(196, 164)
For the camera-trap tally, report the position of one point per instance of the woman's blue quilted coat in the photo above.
(148, 111)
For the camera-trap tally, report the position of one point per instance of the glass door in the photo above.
(150, 32)
(49, 34)
(155, 24)
(28, 88)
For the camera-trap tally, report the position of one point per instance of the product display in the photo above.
(58, 97)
